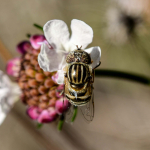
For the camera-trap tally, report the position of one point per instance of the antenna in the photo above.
(78, 47)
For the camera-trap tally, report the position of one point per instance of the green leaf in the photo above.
(61, 122)
(38, 26)
(39, 125)
(74, 113)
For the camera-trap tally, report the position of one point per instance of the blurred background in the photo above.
(122, 108)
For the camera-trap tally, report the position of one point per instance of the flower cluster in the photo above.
(42, 88)
(40, 92)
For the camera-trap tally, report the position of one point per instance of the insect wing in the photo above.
(88, 110)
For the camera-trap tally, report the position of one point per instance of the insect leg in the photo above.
(93, 104)
(97, 65)
(93, 73)
(62, 92)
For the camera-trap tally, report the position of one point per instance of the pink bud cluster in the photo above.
(45, 98)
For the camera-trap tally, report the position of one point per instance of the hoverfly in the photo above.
(79, 79)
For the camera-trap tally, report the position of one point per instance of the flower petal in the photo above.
(60, 79)
(35, 39)
(2, 116)
(47, 116)
(9, 94)
(51, 60)
(34, 112)
(95, 53)
(56, 33)
(61, 105)
(55, 77)
(82, 34)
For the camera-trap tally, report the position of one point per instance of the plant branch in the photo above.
(123, 75)
(116, 74)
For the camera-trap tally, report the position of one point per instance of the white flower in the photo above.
(125, 18)
(53, 54)
(135, 7)
(9, 94)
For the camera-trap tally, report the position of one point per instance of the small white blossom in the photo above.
(53, 54)
(9, 94)
(125, 18)
(134, 7)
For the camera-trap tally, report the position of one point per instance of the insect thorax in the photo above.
(78, 73)
(78, 56)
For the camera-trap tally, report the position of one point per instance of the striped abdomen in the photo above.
(77, 74)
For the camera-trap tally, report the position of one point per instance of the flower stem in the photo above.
(61, 122)
(38, 26)
(39, 125)
(123, 75)
(28, 35)
(74, 113)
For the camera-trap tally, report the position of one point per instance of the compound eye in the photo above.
(70, 58)
(86, 58)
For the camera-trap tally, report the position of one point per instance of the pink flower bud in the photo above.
(30, 72)
(34, 112)
(52, 102)
(47, 73)
(42, 89)
(48, 83)
(43, 105)
(55, 77)
(39, 77)
(44, 98)
(23, 47)
(34, 92)
(33, 83)
(52, 93)
(61, 106)
(47, 115)
(13, 67)
(36, 40)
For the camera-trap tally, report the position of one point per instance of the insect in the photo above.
(79, 79)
